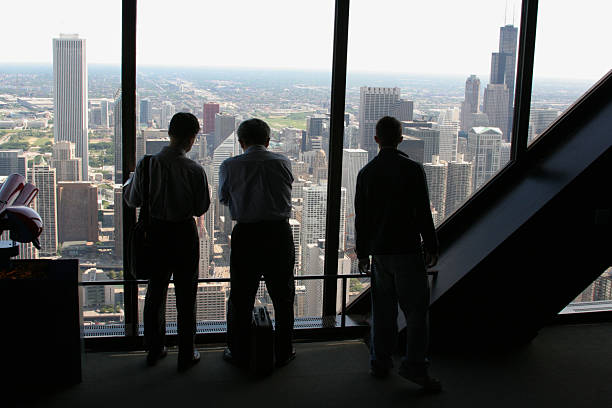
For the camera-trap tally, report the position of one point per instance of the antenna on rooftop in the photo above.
(506, 13)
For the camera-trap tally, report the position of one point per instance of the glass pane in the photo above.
(103, 310)
(57, 85)
(569, 57)
(448, 74)
(597, 297)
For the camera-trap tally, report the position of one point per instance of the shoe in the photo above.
(153, 357)
(429, 384)
(378, 372)
(284, 361)
(186, 364)
(229, 357)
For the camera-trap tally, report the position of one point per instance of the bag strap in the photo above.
(145, 210)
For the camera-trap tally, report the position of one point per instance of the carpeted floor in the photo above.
(565, 366)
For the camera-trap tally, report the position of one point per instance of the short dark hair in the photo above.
(183, 126)
(389, 131)
(254, 131)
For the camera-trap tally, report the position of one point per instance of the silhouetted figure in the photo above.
(178, 191)
(256, 186)
(392, 213)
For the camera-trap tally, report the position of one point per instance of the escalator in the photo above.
(532, 239)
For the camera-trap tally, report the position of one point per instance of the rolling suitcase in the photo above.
(262, 343)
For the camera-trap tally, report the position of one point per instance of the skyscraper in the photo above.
(413, 147)
(12, 161)
(471, 102)
(77, 211)
(374, 103)
(146, 115)
(208, 122)
(436, 173)
(67, 166)
(495, 105)
(70, 95)
(503, 67)
(353, 160)
(459, 184)
(449, 131)
(224, 126)
(430, 138)
(296, 230)
(105, 113)
(167, 112)
(484, 144)
(228, 148)
(403, 110)
(43, 177)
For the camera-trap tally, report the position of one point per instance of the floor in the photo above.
(564, 366)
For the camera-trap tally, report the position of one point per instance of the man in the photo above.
(392, 214)
(256, 186)
(178, 191)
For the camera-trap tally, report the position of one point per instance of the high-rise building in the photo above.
(67, 166)
(118, 139)
(503, 67)
(353, 160)
(430, 138)
(210, 109)
(495, 105)
(205, 243)
(449, 131)
(210, 302)
(471, 102)
(146, 112)
(296, 233)
(43, 177)
(374, 103)
(105, 110)
(228, 148)
(413, 147)
(167, 112)
(225, 125)
(77, 211)
(504, 153)
(403, 110)
(539, 120)
(484, 149)
(13, 161)
(70, 95)
(118, 220)
(459, 184)
(436, 173)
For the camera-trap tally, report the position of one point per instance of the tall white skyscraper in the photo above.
(70, 95)
(228, 148)
(167, 112)
(459, 184)
(449, 131)
(353, 160)
(484, 149)
(43, 177)
(374, 103)
(436, 173)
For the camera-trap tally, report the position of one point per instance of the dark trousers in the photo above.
(263, 248)
(178, 255)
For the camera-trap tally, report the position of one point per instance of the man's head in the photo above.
(183, 130)
(253, 132)
(388, 132)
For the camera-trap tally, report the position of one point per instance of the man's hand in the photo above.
(431, 259)
(364, 266)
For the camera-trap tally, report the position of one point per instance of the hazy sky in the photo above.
(407, 36)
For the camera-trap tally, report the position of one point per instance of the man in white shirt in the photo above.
(256, 186)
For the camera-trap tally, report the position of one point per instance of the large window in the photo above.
(58, 77)
(238, 60)
(570, 56)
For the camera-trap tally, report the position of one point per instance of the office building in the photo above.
(296, 233)
(210, 109)
(166, 113)
(118, 221)
(495, 105)
(77, 211)
(70, 95)
(374, 103)
(430, 138)
(43, 177)
(503, 67)
(459, 184)
(484, 149)
(353, 161)
(13, 161)
(67, 166)
(413, 147)
(105, 112)
(403, 110)
(471, 102)
(449, 132)
(146, 112)
(225, 125)
(436, 173)
(539, 120)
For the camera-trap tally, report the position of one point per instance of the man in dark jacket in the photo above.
(392, 215)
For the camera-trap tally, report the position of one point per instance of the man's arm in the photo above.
(425, 220)
(361, 234)
(224, 197)
(132, 189)
(202, 194)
